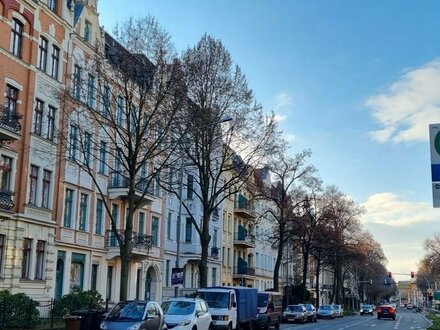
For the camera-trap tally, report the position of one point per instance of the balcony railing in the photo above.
(140, 241)
(244, 271)
(119, 181)
(214, 252)
(243, 206)
(10, 126)
(6, 202)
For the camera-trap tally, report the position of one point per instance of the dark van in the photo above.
(270, 309)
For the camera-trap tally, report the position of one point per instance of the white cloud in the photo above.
(289, 137)
(408, 105)
(282, 100)
(391, 210)
(279, 117)
(400, 226)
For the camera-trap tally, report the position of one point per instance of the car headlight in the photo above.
(103, 326)
(224, 317)
(135, 327)
(186, 322)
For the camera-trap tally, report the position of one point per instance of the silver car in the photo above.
(134, 315)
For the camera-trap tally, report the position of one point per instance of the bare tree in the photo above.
(220, 157)
(117, 128)
(287, 195)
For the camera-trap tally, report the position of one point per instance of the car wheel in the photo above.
(210, 326)
(230, 326)
(378, 317)
(194, 328)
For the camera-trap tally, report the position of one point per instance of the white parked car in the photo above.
(187, 314)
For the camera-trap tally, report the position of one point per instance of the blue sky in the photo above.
(355, 81)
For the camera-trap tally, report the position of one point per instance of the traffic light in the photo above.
(389, 274)
(371, 281)
(412, 274)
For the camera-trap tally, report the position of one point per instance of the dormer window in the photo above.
(88, 32)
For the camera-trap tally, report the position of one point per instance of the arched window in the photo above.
(16, 37)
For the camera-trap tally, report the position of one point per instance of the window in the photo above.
(73, 142)
(223, 257)
(91, 91)
(38, 119)
(94, 280)
(169, 225)
(190, 187)
(102, 157)
(109, 293)
(87, 148)
(39, 270)
(99, 216)
(55, 62)
(26, 258)
(6, 173)
(33, 182)
(214, 238)
(76, 86)
(188, 230)
(42, 49)
(11, 101)
(155, 231)
(115, 214)
(88, 32)
(46, 188)
(106, 101)
(2, 253)
(120, 111)
(141, 222)
(83, 207)
(51, 123)
(16, 37)
(52, 4)
(68, 203)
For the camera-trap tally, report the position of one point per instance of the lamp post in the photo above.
(179, 214)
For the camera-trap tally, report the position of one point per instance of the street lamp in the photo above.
(224, 119)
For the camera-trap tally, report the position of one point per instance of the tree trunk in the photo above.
(276, 271)
(304, 273)
(204, 241)
(318, 269)
(125, 270)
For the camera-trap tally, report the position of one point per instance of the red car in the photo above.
(386, 311)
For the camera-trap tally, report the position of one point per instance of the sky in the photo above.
(357, 82)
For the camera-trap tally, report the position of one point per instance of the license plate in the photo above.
(290, 319)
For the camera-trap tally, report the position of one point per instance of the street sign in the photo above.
(434, 138)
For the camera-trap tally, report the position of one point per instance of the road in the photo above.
(406, 320)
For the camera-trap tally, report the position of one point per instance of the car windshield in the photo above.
(127, 311)
(178, 307)
(366, 306)
(308, 307)
(325, 307)
(262, 300)
(215, 299)
(294, 308)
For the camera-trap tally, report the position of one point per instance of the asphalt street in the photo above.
(406, 320)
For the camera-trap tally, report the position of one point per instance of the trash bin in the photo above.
(72, 322)
(85, 317)
(97, 317)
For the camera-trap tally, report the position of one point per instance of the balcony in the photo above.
(214, 252)
(10, 126)
(6, 202)
(119, 188)
(243, 207)
(243, 238)
(246, 271)
(141, 244)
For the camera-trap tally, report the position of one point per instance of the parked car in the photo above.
(386, 311)
(409, 306)
(187, 314)
(134, 314)
(339, 312)
(295, 313)
(325, 311)
(367, 309)
(270, 309)
(311, 313)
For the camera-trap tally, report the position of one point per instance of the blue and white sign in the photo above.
(434, 138)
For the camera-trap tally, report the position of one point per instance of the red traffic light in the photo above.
(389, 274)
(412, 274)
